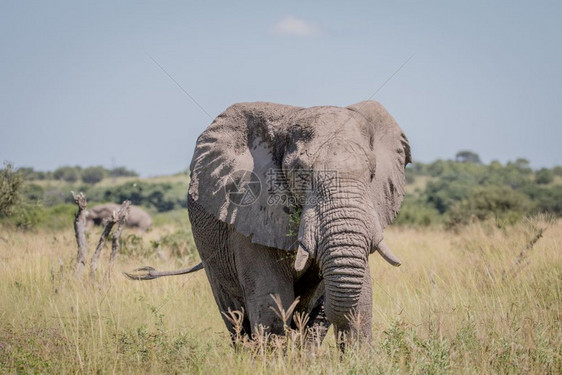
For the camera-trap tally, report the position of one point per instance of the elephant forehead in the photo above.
(343, 154)
(323, 117)
(331, 122)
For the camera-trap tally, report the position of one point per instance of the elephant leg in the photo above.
(232, 309)
(310, 289)
(318, 324)
(359, 327)
(211, 238)
(265, 274)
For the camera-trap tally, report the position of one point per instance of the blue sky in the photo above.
(78, 85)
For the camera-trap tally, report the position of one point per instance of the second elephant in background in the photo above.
(138, 218)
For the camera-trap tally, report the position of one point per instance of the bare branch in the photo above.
(121, 217)
(80, 232)
(110, 222)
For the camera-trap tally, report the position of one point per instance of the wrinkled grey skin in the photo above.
(138, 218)
(248, 251)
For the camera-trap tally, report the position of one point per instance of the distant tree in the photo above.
(28, 173)
(437, 168)
(522, 165)
(67, 173)
(122, 172)
(544, 176)
(547, 198)
(466, 156)
(93, 175)
(557, 170)
(495, 165)
(11, 183)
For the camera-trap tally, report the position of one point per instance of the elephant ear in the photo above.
(237, 165)
(392, 154)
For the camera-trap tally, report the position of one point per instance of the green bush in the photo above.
(493, 202)
(67, 173)
(11, 183)
(33, 193)
(177, 217)
(546, 199)
(133, 245)
(417, 213)
(544, 176)
(122, 172)
(522, 165)
(179, 244)
(93, 175)
(158, 196)
(410, 175)
(32, 216)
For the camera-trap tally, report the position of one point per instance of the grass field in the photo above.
(458, 304)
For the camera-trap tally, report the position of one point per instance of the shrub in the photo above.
(522, 165)
(93, 175)
(546, 199)
(67, 173)
(544, 176)
(498, 202)
(11, 183)
(31, 216)
(159, 196)
(122, 172)
(410, 176)
(33, 193)
(415, 212)
(179, 244)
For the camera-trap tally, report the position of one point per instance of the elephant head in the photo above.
(322, 182)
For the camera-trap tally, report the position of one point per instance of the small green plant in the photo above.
(178, 244)
(295, 213)
(133, 245)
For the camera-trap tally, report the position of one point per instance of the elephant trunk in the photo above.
(343, 253)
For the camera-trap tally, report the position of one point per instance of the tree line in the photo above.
(458, 191)
(445, 192)
(69, 174)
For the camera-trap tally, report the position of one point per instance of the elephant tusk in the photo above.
(301, 259)
(385, 252)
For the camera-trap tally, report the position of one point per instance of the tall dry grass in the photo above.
(457, 305)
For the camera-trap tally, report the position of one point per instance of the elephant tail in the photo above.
(149, 273)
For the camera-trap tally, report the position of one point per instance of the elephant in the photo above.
(138, 218)
(288, 202)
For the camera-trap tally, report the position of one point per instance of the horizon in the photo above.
(134, 85)
(186, 171)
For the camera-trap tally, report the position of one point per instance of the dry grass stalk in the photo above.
(280, 311)
(538, 226)
(236, 318)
